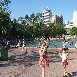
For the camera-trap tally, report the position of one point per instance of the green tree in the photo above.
(34, 20)
(56, 29)
(4, 22)
(39, 17)
(73, 31)
(60, 29)
(4, 5)
(4, 18)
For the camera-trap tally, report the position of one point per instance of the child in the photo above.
(43, 61)
(64, 57)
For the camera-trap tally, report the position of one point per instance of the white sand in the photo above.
(26, 65)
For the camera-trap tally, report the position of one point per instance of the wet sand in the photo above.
(22, 64)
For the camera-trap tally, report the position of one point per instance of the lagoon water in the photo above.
(52, 44)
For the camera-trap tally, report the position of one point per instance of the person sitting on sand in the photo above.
(64, 57)
(43, 61)
(18, 44)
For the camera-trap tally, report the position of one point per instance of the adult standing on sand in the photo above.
(43, 61)
(76, 45)
(23, 42)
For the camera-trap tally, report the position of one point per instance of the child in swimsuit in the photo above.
(64, 57)
(43, 61)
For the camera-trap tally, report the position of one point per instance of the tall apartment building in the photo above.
(72, 23)
(47, 15)
(49, 18)
(74, 20)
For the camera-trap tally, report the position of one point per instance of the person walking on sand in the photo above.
(76, 45)
(43, 61)
(64, 57)
(23, 45)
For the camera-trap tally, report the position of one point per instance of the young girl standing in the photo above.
(64, 57)
(43, 61)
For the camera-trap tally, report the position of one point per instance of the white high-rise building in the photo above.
(47, 15)
(74, 20)
(49, 18)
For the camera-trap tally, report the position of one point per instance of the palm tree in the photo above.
(39, 17)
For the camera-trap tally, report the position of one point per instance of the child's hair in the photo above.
(43, 43)
(62, 49)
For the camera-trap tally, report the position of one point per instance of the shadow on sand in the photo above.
(53, 56)
(25, 59)
(30, 58)
(73, 74)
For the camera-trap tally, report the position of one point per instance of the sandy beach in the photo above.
(22, 64)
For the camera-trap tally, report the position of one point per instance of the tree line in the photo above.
(29, 26)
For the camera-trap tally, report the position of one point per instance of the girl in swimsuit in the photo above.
(64, 57)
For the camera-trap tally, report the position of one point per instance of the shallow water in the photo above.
(52, 44)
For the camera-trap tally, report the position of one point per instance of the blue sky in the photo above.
(23, 7)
